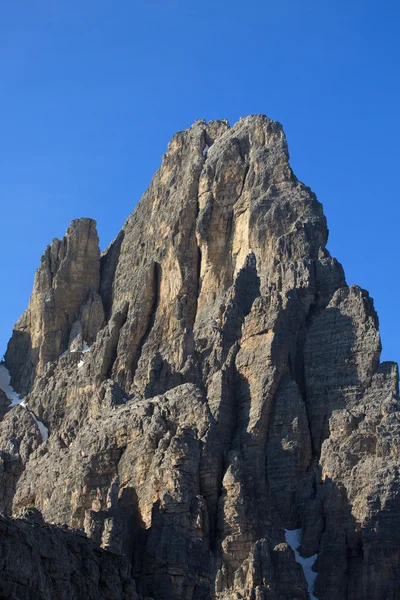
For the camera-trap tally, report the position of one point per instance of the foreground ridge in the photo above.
(209, 383)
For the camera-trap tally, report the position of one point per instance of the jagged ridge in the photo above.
(232, 387)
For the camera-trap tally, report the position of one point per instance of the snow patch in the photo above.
(44, 432)
(5, 378)
(293, 538)
(206, 149)
(5, 386)
(85, 349)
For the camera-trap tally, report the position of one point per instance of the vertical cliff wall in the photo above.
(210, 382)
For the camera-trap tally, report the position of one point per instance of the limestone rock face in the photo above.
(19, 437)
(64, 299)
(5, 404)
(140, 478)
(40, 561)
(209, 382)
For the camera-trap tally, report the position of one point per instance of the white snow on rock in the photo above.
(44, 432)
(293, 538)
(86, 348)
(16, 399)
(6, 387)
(206, 149)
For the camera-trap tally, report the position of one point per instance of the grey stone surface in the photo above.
(65, 290)
(232, 388)
(39, 561)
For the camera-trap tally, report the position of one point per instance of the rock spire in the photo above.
(211, 383)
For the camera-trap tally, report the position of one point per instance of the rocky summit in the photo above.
(205, 415)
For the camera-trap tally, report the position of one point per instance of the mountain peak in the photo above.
(216, 406)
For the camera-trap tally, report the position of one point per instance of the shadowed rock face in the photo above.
(42, 561)
(232, 388)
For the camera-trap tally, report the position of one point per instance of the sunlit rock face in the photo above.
(64, 301)
(209, 382)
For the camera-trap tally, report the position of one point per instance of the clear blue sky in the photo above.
(92, 90)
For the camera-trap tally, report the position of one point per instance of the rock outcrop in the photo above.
(44, 562)
(5, 404)
(209, 382)
(64, 304)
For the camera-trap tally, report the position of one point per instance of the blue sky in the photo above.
(92, 91)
